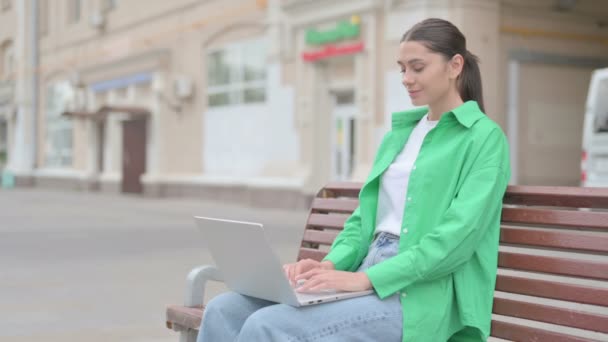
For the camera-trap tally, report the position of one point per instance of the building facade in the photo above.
(265, 101)
(8, 36)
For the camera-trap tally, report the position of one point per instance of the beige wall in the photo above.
(479, 24)
(170, 39)
(8, 23)
(551, 111)
(134, 31)
(558, 34)
(550, 98)
(184, 129)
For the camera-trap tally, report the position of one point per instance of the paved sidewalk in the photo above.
(98, 267)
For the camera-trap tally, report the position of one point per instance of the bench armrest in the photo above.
(196, 281)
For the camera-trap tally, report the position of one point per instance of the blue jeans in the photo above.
(234, 317)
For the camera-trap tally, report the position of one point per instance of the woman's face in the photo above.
(426, 75)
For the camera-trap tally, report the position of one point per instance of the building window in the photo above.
(58, 148)
(7, 66)
(236, 74)
(74, 11)
(109, 5)
(3, 142)
(6, 5)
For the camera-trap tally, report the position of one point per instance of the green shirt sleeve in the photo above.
(475, 209)
(343, 252)
(345, 249)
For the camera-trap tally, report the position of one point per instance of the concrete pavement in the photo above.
(99, 267)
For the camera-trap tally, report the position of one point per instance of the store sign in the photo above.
(344, 30)
(332, 51)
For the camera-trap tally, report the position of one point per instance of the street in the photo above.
(80, 266)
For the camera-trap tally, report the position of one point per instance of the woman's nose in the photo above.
(407, 79)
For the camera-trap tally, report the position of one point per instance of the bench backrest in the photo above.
(552, 281)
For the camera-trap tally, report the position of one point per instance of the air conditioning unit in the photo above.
(183, 87)
(98, 20)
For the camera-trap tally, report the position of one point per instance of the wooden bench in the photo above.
(552, 282)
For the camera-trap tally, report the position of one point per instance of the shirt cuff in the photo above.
(393, 274)
(341, 256)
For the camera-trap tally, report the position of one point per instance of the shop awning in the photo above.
(79, 114)
(132, 112)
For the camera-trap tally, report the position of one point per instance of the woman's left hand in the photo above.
(317, 280)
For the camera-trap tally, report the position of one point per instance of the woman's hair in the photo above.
(441, 36)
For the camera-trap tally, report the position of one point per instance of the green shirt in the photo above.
(445, 271)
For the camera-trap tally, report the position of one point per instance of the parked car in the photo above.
(594, 158)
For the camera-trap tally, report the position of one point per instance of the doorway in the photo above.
(343, 135)
(133, 154)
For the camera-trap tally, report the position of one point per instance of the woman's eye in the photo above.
(419, 70)
(402, 71)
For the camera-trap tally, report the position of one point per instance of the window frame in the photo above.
(56, 124)
(109, 5)
(237, 85)
(8, 61)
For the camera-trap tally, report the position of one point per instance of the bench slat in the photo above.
(516, 332)
(320, 237)
(347, 189)
(334, 221)
(311, 253)
(560, 196)
(588, 241)
(550, 314)
(186, 317)
(552, 289)
(554, 265)
(560, 218)
(337, 205)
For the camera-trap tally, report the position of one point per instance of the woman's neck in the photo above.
(437, 109)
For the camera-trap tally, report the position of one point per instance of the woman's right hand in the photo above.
(294, 269)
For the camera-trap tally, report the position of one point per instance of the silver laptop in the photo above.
(250, 267)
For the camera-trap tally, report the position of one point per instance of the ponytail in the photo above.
(469, 81)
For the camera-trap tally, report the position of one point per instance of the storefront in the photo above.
(336, 54)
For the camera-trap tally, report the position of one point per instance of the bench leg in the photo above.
(188, 335)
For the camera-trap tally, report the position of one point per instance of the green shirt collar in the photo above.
(466, 114)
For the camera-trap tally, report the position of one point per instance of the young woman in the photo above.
(425, 235)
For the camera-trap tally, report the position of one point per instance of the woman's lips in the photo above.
(414, 93)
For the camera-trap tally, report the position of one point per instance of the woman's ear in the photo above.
(455, 66)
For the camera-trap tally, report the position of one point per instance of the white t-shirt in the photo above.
(393, 182)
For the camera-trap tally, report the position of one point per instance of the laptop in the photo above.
(250, 267)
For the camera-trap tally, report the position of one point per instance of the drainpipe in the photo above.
(34, 69)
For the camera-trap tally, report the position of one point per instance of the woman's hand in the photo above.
(293, 270)
(319, 279)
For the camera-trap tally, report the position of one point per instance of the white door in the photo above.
(343, 137)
